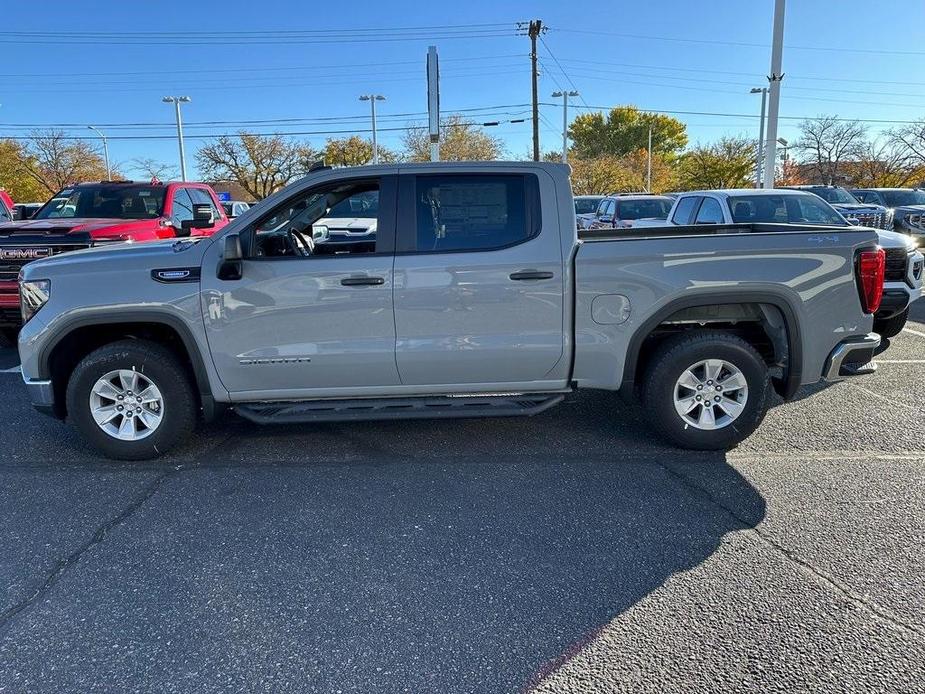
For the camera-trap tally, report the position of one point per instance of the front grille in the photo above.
(10, 267)
(876, 220)
(896, 260)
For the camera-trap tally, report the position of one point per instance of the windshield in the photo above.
(586, 205)
(836, 195)
(106, 202)
(643, 209)
(783, 209)
(898, 198)
(360, 205)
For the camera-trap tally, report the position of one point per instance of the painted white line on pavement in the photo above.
(883, 397)
(15, 370)
(899, 361)
(913, 332)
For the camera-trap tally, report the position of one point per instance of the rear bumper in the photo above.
(854, 350)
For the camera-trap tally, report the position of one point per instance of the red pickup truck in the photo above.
(88, 214)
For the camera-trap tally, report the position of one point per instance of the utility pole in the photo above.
(533, 31)
(105, 151)
(176, 101)
(777, 50)
(649, 163)
(565, 96)
(760, 162)
(372, 99)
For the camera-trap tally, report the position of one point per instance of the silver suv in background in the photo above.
(623, 211)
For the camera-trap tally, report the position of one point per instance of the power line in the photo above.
(740, 44)
(236, 70)
(265, 32)
(562, 69)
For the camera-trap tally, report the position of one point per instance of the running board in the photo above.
(433, 407)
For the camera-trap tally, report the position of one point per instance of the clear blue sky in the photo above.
(672, 55)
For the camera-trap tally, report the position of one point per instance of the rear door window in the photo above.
(710, 212)
(474, 212)
(684, 210)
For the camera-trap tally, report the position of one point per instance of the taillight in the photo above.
(870, 268)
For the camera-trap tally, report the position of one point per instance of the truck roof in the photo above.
(735, 192)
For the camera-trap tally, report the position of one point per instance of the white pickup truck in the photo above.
(476, 297)
(903, 278)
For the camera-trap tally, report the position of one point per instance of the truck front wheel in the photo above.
(706, 390)
(131, 400)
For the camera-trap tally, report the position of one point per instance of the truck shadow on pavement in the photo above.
(474, 555)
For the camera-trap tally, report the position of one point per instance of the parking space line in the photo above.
(899, 361)
(913, 332)
(884, 397)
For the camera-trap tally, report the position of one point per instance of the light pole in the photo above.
(565, 95)
(764, 98)
(784, 157)
(372, 99)
(105, 151)
(777, 51)
(176, 101)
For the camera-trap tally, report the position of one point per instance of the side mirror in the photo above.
(203, 218)
(231, 266)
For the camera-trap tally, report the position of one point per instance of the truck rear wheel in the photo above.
(131, 400)
(706, 390)
(891, 327)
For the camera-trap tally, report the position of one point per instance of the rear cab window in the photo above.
(473, 212)
(684, 210)
(710, 212)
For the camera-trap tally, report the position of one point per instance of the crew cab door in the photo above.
(307, 317)
(478, 280)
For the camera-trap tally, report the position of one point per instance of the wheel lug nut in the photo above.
(121, 397)
(699, 398)
(138, 409)
(119, 408)
(719, 387)
(138, 398)
(699, 387)
(716, 398)
(709, 383)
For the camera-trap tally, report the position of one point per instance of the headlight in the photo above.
(32, 296)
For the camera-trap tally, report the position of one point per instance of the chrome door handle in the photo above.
(531, 275)
(361, 281)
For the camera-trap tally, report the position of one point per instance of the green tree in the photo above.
(354, 151)
(728, 163)
(625, 130)
(14, 177)
(260, 164)
(460, 140)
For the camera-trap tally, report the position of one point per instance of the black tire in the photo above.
(678, 353)
(157, 364)
(891, 327)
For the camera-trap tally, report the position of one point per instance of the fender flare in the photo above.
(207, 399)
(794, 372)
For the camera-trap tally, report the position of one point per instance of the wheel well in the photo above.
(762, 325)
(78, 343)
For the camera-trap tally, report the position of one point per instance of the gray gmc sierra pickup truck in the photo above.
(475, 297)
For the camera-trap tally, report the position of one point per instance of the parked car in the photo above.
(6, 206)
(904, 264)
(623, 211)
(907, 205)
(852, 209)
(476, 300)
(25, 210)
(90, 214)
(585, 207)
(235, 208)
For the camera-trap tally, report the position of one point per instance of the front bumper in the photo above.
(41, 395)
(855, 351)
(894, 302)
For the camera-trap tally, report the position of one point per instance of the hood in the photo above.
(894, 239)
(150, 254)
(858, 208)
(94, 227)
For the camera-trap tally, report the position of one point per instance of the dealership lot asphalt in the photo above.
(568, 552)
